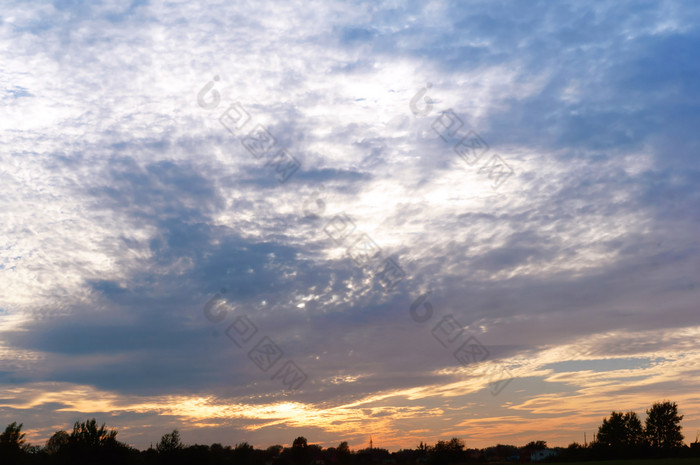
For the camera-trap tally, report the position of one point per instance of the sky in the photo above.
(253, 221)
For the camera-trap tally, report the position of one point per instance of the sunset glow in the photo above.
(253, 221)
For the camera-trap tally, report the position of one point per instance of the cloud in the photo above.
(128, 206)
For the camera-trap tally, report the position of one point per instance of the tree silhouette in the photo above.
(243, 453)
(12, 444)
(300, 443)
(87, 434)
(170, 449)
(300, 455)
(536, 445)
(13, 437)
(663, 429)
(89, 444)
(447, 451)
(57, 442)
(621, 432)
(344, 448)
(274, 451)
(343, 453)
(169, 442)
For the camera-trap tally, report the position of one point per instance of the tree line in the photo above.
(622, 435)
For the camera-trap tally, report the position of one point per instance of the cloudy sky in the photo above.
(257, 220)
